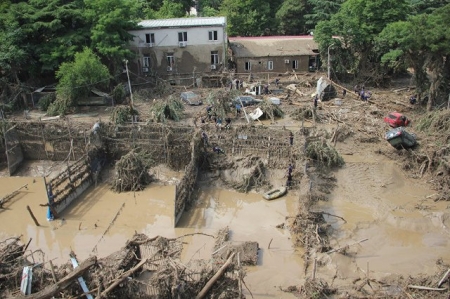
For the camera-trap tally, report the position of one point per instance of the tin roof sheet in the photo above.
(183, 22)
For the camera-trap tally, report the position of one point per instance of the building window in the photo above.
(146, 61)
(295, 64)
(150, 38)
(214, 57)
(170, 61)
(213, 35)
(248, 66)
(182, 36)
(270, 65)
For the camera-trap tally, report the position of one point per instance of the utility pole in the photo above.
(129, 84)
(329, 62)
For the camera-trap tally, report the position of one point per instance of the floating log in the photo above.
(64, 283)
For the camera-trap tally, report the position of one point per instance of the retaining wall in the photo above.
(52, 141)
(13, 150)
(270, 144)
(184, 190)
(167, 144)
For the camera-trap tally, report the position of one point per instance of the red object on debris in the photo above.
(396, 119)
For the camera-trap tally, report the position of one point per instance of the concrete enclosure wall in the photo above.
(169, 145)
(52, 141)
(185, 189)
(13, 150)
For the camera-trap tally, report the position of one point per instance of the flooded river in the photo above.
(406, 230)
(101, 221)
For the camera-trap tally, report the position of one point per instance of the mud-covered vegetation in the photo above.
(132, 171)
(171, 108)
(323, 153)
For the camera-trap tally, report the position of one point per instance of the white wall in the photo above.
(167, 37)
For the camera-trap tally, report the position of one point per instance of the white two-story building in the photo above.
(180, 49)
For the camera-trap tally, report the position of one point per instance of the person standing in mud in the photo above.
(227, 123)
(290, 169)
(289, 181)
(205, 139)
(238, 110)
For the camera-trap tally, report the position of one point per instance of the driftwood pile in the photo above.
(144, 268)
(131, 172)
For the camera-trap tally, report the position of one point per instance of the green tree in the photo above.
(358, 23)
(208, 12)
(422, 43)
(12, 56)
(77, 78)
(171, 9)
(247, 17)
(321, 10)
(290, 17)
(426, 6)
(214, 4)
(45, 33)
(111, 21)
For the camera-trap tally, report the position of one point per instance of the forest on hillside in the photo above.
(370, 40)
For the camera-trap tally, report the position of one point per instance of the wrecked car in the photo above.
(399, 138)
(396, 119)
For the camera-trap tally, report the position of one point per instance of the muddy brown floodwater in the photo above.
(101, 221)
(407, 231)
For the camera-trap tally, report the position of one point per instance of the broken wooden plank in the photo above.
(121, 278)
(216, 276)
(426, 288)
(81, 280)
(444, 278)
(342, 247)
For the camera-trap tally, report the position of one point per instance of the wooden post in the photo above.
(32, 216)
(43, 138)
(53, 271)
(71, 140)
(314, 269)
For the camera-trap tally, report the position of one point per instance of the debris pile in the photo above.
(172, 108)
(144, 268)
(131, 172)
(323, 153)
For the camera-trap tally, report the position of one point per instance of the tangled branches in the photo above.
(220, 101)
(254, 179)
(172, 108)
(270, 110)
(131, 172)
(122, 114)
(304, 113)
(323, 153)
(435, 122)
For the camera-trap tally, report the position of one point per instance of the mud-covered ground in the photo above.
(386, 214)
